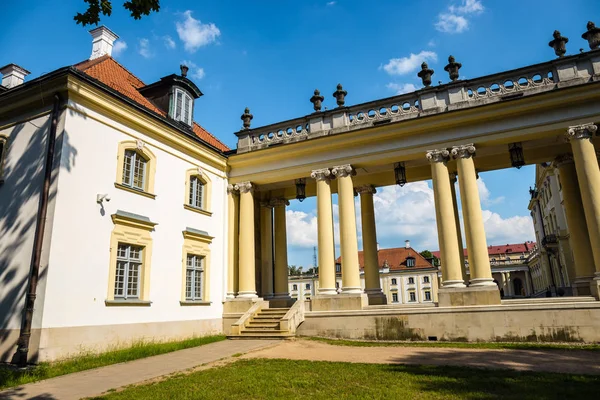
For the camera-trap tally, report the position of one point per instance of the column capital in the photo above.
(464, 151)
(584, 131)
(232, 189)
(563, 159)
(279, 202)
(266, 204)
(342, 171)
(364, 189)
(245, 187)
(436, 156)
(321, 174)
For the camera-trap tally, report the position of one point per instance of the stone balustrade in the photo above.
(563, 72)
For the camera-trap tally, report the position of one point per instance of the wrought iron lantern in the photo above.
(400, 173)
(301, 189)
(516, 155)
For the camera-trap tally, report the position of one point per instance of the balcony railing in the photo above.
(550, 240)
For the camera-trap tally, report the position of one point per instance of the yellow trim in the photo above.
(199, 245)
(207, 195)
(131, 231)
(132, 190)
(150, 166)
(4, 141)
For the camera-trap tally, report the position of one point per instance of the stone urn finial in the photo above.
(317, 100)
(340, 95)
(558, 44)
(247, 117)
(425, 74)
(592, 35)
(452, 68)
(184, 70)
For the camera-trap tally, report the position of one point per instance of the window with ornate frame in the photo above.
(136, 167)
(3, 148)
(198, 191)
(195, 288)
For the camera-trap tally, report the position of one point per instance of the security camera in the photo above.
(102, 197)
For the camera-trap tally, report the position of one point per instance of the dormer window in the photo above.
(183, 107)
(410, 262)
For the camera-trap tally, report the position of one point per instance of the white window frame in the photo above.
(427, 292)
(412, 294)
(197, 192)
(411, 281)
(410, 262)
(194, 271)
(179, 109)
(129, 178)
(128, 263)
(395, 298)
(426, 279)
(394, 281)
(295, 287)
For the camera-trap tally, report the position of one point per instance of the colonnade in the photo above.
(582, 204)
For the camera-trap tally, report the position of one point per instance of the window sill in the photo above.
(127, 303)
(131, 190)
(198, 210)
(195, 303)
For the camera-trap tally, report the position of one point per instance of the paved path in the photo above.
(562, 361)
(96, 381)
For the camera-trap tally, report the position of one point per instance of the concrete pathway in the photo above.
(562, 361)
(96, 381)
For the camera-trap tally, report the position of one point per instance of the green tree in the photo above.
(429, 256)
(137, 8)
(294, 270)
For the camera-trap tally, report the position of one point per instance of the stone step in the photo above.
(261, 336)
(267, 317)
(274, 310)
(261, 331)
(252, 324)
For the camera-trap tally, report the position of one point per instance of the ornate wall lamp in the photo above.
(400, 173)
(516, 155)
(301, 189)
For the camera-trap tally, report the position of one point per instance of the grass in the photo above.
(10, 376)
(287, 379)
(462, 345)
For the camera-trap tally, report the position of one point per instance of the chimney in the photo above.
(407, 244)
(13, 75)
(102, 42)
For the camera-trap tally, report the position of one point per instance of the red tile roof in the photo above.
(114, 75)
(396, 259)
(502, 249)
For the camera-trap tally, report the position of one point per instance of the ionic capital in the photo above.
(584, 131)
(464, 151)
(437, 156)
(279, 202)
(245, 187)
(563, 159)
(366, 189)
(321, 174)
(232, 189)
(342, 171)
(266, 204)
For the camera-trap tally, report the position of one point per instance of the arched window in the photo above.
(183, 107)
(136, 168)
(196, 192)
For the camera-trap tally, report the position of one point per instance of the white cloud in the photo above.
(451, 23)
(431, 43)
(468, 7)
(195, 72)
(401, 88)
(144, 48)
(331, 3)
(406, 65)
(301, 229)
(485, 195)
(119, 47)
(194, 34)
(510, 230)
(169, 42)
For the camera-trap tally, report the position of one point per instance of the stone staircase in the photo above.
(263, 322)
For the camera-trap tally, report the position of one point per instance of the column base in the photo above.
(352, 290)
(239, 305)
(595, 287)
(582, 286)
(482, 282)
(247, 295)
(376, 297)
(230, 296)
(327, 292)
(455, 284)
(468, 296)
(339, 302)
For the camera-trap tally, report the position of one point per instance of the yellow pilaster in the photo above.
(479, 263)
(325, 232)
(232, 240)
(281, 259)
(348, 239)
(369, 237)
(579, 240)
(446, 222)
(266, 242)
(463, 267)
(247, 284)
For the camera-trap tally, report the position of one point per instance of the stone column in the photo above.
(326, 244)
(371, 264)
(461, 252)
(588, 176)
(348, 239)
(479, 262)
(266, 243)
(509, 284)
(233, 203)
(446, 222)
(527, 283)
(281, 259)
(247, 284)
(579, 240)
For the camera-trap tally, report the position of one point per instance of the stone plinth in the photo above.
(284, 302)
(595, 288)
(239, 305)
(468, 296)
(376, 298)
(340, 302)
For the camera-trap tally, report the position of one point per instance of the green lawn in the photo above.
(14, 377)
(462, 345)
(287, 379)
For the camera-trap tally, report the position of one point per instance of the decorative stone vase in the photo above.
(317, 100)
(246, 118)
(340, 95)
(452, 68)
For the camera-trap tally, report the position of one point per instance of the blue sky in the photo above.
(271, 55)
